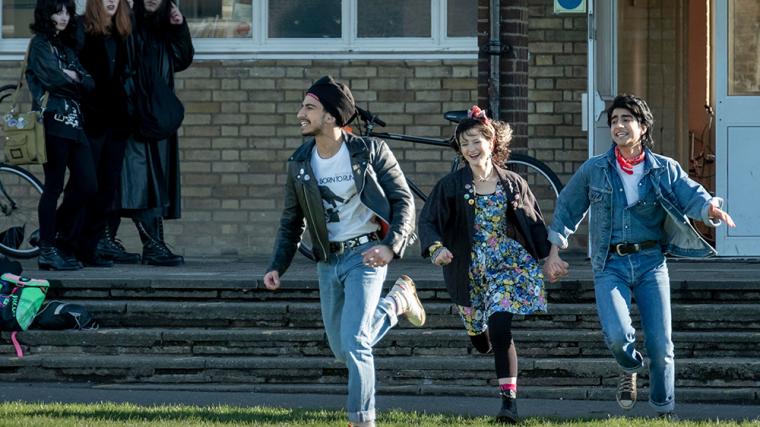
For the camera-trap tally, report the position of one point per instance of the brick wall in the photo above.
(240, 127)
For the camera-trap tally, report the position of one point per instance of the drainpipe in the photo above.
(494, 50)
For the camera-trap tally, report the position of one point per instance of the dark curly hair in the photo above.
(43, 24)
(158, 20)
(493, 130)
(640, 110)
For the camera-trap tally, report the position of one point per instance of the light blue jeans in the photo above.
(355, 319)
(645, 274)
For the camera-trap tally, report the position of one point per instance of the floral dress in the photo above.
(503, 275)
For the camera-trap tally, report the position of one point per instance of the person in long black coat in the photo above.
(104, 31)
(150, 178)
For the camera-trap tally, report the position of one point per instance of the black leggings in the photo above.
(504, 353)
(64, 153)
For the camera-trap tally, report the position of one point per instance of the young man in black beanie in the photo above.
(360, 214)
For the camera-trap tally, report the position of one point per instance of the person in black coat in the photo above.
(105, 29)
(54, 72)
(483, 225)
(150, 178)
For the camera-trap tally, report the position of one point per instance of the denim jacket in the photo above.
(591, 188)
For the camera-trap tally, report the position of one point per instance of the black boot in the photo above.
(50, 258)
(111, 248)
(508, 412)
(155, 251)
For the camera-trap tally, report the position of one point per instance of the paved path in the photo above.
(209, 395)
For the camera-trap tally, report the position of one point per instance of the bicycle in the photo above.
(20, 193)
(543, 182)
(702, 166)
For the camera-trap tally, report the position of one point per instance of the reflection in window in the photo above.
(218, 18)
(305, 19)
(17, 15)
(462, 18)
(744, 51)
(394, 18)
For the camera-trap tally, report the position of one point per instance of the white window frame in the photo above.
(349, 46)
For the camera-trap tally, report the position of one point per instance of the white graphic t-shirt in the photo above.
(345, 215)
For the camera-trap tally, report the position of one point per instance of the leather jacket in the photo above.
(449, 217)
(381, 187)
(47, 60)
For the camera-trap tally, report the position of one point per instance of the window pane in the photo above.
(744, 52)
(394, 18)
(462, 18)
(304, 19)
(218, 18)
(17, 15)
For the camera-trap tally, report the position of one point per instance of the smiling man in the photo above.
(351, 193)
(639, 203)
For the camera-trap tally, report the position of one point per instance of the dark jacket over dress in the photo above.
(150, 175)
(48, 57)
(105, 58)
(380, 184)
(449, 217)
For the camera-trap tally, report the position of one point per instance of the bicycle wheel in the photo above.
(20, 193)
(543, 182)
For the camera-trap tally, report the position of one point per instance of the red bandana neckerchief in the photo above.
(627, 165)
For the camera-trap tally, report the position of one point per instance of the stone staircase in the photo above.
(194, 330)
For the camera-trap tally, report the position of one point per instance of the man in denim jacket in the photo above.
(639, 203)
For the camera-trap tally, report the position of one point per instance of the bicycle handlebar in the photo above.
(368, 117)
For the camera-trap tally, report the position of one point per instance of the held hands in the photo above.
(443, 257)
(554, 267)
(175, 16)
(272, 280)
(719, 214)
(377, 256)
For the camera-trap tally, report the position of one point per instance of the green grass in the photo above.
(14, 414)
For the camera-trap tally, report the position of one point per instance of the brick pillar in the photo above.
(514, 65)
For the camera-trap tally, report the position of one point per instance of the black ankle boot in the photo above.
(50, 258)
(155, 251)
(111, 248)
(508, 412)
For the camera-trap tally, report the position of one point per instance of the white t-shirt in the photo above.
(345, 215)
(631, 182)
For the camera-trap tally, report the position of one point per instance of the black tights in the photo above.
(504, 353)
(64, 153)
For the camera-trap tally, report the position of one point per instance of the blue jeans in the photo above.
(355, 319)
(645, 274)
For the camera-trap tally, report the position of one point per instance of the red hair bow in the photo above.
(476, 113)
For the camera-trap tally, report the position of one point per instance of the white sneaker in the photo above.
(626, 391)
(404, 294)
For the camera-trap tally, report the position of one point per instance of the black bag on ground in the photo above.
(57, 315)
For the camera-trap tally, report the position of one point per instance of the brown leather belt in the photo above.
(340, 247)
(624, 249)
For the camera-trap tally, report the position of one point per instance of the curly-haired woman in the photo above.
(482, 224)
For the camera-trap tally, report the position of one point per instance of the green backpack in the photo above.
(20, 300)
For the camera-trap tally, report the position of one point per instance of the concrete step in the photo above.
(416, 373)
(306, 314)
(694, 289)
(532, 343)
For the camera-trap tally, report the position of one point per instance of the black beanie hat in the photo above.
(336, 98)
